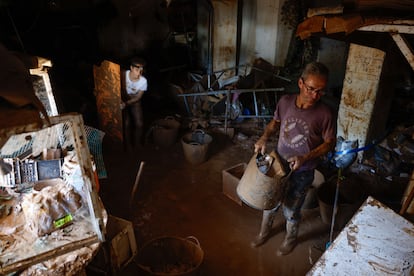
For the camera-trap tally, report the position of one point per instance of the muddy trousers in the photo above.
(265, 227)
(133, 125)
(299, 184)
(298, 187)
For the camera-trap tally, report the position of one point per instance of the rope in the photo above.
(343, 152)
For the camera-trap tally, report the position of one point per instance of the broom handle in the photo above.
(335, 207)
(134, 189)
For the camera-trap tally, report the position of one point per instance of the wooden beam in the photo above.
(391, 28)
(404, 48)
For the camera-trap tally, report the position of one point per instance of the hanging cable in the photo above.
(15, 30)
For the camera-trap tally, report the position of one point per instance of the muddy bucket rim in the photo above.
(168, 122)
(187, 138)
(188, 240)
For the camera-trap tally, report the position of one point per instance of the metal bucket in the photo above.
(165, 131)
(195, 146)
(262, 191)
(171, 256)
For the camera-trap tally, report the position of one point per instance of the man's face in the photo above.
(312, 88)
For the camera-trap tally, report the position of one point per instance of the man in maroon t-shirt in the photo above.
(307, 131)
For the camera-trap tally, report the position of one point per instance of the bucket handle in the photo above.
(194, 240)
(198, 131)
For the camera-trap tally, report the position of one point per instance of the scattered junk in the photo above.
(262, 191)
(54, 219)
(375, 241)
(171, 256)
(195, 146)
(213, 101)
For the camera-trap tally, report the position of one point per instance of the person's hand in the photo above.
(295, 162)
(122, 105)
(260, 146)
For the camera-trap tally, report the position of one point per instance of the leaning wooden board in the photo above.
(107, 78)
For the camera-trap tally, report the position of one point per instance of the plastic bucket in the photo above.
(195, 146)
(171, 256)
(165, 131)
(350, 198)
(262, 191)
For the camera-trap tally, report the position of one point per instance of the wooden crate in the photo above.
(231, 178)
(67, 132)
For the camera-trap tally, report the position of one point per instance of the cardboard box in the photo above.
(121, 238)
(118, 250)
(231, 178)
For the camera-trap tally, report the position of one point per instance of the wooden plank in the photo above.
(224, 36)
(405, 48)
(392, 28)
(21, 265)
(315, 24)
(346, 24)
(107, 79)
(407, 201)
(90, 185)
(325, 10)
(401, 5)
(360, 87)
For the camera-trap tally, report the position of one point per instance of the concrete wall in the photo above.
(139, 24)
(263, 34)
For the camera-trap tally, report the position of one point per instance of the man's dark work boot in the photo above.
(290, 240)
(265, 227)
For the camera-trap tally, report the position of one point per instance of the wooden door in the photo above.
(107, 78)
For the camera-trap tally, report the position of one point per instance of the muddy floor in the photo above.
(177, 199)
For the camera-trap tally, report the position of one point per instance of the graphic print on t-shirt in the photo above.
(294, 133)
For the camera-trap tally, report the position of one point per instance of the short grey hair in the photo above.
(315, 68)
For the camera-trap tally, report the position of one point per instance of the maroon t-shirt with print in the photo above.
(302, 130)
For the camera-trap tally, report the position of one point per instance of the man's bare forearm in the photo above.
(321, 150)
(271, 128)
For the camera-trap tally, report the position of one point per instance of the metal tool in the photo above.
(134, 189)
(335, 207)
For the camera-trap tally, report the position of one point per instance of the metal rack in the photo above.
(228, 94)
